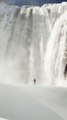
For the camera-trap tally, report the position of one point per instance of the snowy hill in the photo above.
(33, 102)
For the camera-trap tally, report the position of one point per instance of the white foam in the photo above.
(33, 44)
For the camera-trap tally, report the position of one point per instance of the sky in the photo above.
(31, 2)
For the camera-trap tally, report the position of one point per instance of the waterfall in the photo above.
(55, 54)
(33, 44)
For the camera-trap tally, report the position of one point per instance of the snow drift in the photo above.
(33, 102)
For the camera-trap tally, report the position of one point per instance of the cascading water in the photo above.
(33, 44)
(56, 58)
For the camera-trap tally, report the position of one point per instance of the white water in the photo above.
(56, 58)
(33, 44)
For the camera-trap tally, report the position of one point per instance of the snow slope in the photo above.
(33, 102)
(2, 119)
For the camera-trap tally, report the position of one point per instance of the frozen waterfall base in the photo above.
(19, 102)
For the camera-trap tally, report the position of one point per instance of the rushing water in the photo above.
(33, 44)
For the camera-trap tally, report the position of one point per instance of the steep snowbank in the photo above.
(33, 102)
(2, 119)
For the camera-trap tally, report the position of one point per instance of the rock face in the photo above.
(33, 44)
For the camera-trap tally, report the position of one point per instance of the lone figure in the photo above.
(34, 81)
